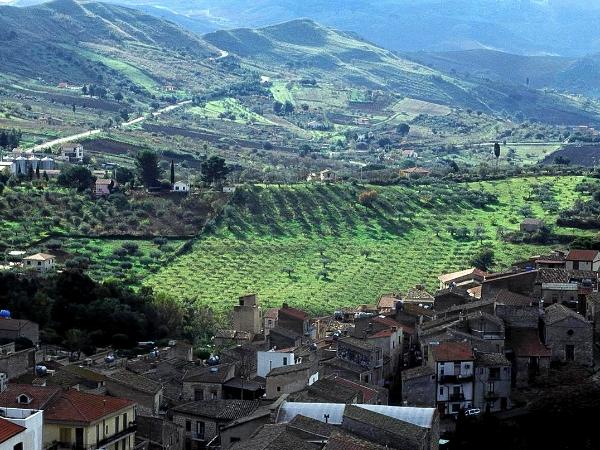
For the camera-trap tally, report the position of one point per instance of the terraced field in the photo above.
(317, 247)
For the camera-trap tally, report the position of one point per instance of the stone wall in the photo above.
(571, 331)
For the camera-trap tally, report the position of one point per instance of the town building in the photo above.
(13, 329)
(71, 152)
(21, 429)
(588, 260)
(181, 187)
(492, 382)
(272, 359)
(569, 335)
(247, 315)
(289, 379)
(103, 187)
(529, 357)
(465, 279)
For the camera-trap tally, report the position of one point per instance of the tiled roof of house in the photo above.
(532, 221)
(448, 277)
(290, 369)
(552, 276)
(40, 257)
(285, 332)
(557, 312)
(84, 373)
(491, 360)
(310, 426)
(14, 324)
(271, 313)
(329, 390)
(582, 255)
(506, 297)
(343, 364)
(75, 406)
(214, 374)
(381, 334)
(417, 294)
(417, 372)
(135, 381)
(387, 321)
(452, 351)
(40, 395)
(358, 343)
(594, 297)
(293, 312)
(455, 290)
(388, 301)
(274, 437)
(342, 440)
(525, 342)
(368, 392)
(9, 430)
(219, 409)
(387, 423)
(471, 306)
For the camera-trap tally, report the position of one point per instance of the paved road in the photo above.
(86, 134)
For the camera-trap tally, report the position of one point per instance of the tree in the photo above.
(277, 107)
(289, 270)
(77, 177)
(37, 172)
(118, 96)
(124, 114)
(84, 90)
(403, 129)
(123, 175)
(45, 176)
(497, 152)
(214, 170)
(172, 172)
(148, 169)
(288, 107)
(484, 259)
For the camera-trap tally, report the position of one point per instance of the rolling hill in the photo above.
(303, 48)
(579, 75)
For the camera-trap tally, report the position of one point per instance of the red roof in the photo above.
(526, 342)
(39, 395)
(452, 351)
(387, 321)
(582, 255)
(75, 406)
(368, 393)
(293, 312)
(9, 429)
(380, 334)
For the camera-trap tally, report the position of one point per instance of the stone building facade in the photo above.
(569, 335)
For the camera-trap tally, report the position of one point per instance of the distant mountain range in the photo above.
(86, 42)
(535, 27)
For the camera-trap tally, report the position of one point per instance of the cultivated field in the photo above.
(317, 247)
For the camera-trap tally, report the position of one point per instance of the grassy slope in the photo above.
(287, 227)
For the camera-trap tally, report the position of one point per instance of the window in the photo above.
(490, 387)
(441, 391)
(125, 424)
(198, 394)
(23, 399)
(234, 440)
(285, 361)
(278, 388)
(200, 429)
(116, 425)
(570, 332)
(18, 446)
(97, 433)
(570, 352)
(455, 407)
(188, 425)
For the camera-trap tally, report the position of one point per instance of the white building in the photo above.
(181, 186)
(272, 359)
(72, 152)
(42, 262)
(21, 429)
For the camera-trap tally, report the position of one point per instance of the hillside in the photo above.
(53, 41)
(564, 27)
(579, 75)
(303, 48)
(319, 248)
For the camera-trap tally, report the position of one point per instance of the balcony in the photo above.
(457, 397)
(117, 436)
(456, 378)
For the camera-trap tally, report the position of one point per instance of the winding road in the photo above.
(86, 134)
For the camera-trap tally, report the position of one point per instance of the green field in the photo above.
(215, 109)
(399, 241)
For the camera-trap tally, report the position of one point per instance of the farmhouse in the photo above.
(415, 172)
(104, 186)
(72, 152)
(181, 186)
(41, 262)
(531, 225)
(326, 175)
(410, 154)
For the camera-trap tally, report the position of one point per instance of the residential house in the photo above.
(453, 363)
(104, 187)
(517, 310)
(289, 379)
(240, 430)
(16, 363)
(465, 279)
(72, 152)
(21, 429)
(202, 420)
(325, 176)
(529, 357)
(451, 296)
(569, 335)
(415, 172)
(554, 260)
(293, 319)
(419, 296)
(270, 320)
(40, 262)
(272, 359)
(388, 303)
(247, 315)
(207, 383)
(181, 187)
(492, 382)
(519, 282)
(530, 225)
(419, 386)
(284, 338)
(228, 338)
(12, 329)
(593, 311)
(334, 389)
(564, 286)
(147, 393)
(410, 154)
(74, 419)
(588, 260)
(160, 433)
(367, 357)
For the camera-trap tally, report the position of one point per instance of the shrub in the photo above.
(367, 198)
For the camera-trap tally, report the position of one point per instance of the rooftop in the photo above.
(417, 372)
(506, 297)
(75, 406)
(525, 342)
(557, 312)
(219, 409)
(342, 440)
(385, 422)
(582, 255)
(452, 351)
(418, 294)
(135, 381)
(40, 257)
(293, 312)
(358, 343)
(448, 277)
(491, 360)
(9, 429)
(290, 369)
(40, 395)
(214, 374)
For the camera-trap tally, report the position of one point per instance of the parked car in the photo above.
(472, 412)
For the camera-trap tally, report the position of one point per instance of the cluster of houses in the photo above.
(279, 378)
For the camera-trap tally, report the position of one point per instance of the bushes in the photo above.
(367, 198)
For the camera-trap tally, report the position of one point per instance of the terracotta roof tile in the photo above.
(40, 395)
(526, 342)
(75, 406)
(557, 312)
(293, 312)
(582, 255)
(452, 351)
(9, 430)
(506, 297)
